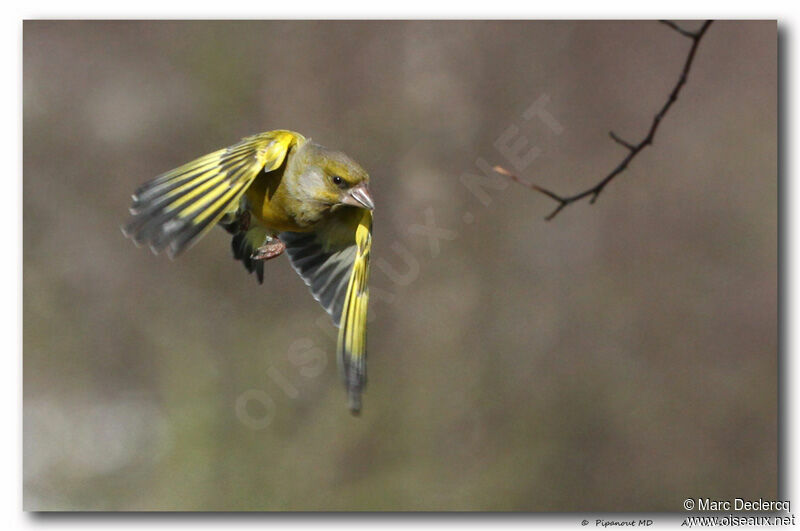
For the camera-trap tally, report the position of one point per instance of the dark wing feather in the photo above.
(325, 270)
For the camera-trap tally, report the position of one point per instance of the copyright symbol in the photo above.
(688, 504)
(585, 522)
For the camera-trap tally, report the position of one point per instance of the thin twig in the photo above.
(633, 149)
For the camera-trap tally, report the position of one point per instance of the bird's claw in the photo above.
(272, 248)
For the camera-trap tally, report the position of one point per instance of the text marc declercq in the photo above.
(739, 504)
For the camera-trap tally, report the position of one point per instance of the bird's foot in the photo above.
(272, 247)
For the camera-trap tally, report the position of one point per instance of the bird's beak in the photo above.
(358, 196)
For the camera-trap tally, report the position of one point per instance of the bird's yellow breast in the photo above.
(268, 203)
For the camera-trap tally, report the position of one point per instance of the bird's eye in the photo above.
(338, 181)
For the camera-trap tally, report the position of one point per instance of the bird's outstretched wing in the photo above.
(177, 208)
(334, 262)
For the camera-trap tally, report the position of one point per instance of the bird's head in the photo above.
(323, 176)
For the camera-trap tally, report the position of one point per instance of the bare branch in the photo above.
(685, 33)
(633, 149)
(619, 141)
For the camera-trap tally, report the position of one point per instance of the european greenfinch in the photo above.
(276, 191)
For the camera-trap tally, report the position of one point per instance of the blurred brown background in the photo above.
(619, 358)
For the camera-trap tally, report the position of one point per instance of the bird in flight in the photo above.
(276, 192)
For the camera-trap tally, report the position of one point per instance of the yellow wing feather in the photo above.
(176, 209)
(352, 343)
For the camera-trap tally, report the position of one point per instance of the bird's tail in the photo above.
(246, 240)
